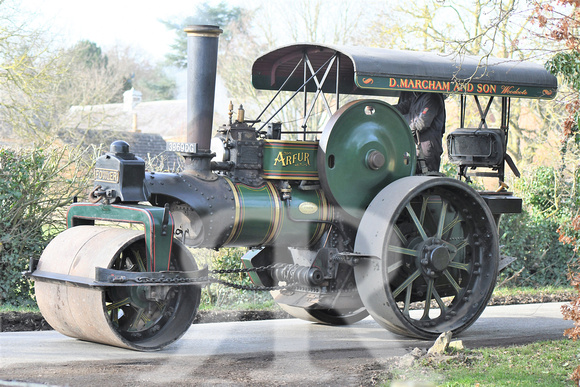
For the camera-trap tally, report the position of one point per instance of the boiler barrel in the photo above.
(262, 218)
(222, 212)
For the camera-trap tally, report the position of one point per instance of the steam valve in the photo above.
(241, 114)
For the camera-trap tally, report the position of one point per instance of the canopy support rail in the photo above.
(482, 113)
(303, 87)
(319, 92)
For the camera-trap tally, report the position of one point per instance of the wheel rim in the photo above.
(439, 255)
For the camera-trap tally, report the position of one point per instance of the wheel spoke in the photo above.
(450, 226)
(462, 245)
(400, 235)
(452, 281)
(403, 250)
(441, 220)
(428, 299)
(394, 266)
(439, 301)
(140, 262)
(140, 316)
(407, 300)
(417, 222)
(408, 282)
(424, 209)
(117, 304)
(160, 305)
(460, 266)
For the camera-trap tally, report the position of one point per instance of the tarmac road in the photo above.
(271, 352)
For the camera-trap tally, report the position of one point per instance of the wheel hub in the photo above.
(435, 256)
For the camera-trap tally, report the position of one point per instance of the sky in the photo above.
(114, 22)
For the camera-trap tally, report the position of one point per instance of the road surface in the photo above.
(270, 352)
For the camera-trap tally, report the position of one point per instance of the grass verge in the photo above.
(20, 309)
(506, 291)
(547, 363)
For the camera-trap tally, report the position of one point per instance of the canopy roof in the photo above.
(386, 72)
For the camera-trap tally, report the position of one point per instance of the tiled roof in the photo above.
(149, 146)
(167, 118)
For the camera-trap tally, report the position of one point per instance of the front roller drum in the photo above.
(436, 253)
(144, 318)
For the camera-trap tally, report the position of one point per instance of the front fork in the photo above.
(157, 222)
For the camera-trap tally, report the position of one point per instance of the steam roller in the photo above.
(336, 223)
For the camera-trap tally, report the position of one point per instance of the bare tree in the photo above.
(316, 21)
(499, 28)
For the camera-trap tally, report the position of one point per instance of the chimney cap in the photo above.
(203, 30)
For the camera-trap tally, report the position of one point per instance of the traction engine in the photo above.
(336, 228)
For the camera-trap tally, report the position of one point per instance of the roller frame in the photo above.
(158, 223)
(108, 277)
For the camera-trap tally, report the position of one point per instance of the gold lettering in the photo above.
(279, 159)
(292, 158)
(511, 90)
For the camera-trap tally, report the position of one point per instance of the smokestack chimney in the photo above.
(202, 52)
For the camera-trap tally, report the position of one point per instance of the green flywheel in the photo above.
(365, 146)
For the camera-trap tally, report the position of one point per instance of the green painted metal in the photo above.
(158, 236)
(290, 160)
(247, 261)
(257, 215)
(262, 218)
(365, 146)
(300, 224)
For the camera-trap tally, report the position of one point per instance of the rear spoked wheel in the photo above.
(437, 256)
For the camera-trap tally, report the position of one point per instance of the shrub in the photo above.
(532, 237)
(35, 184)
(222, 296)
